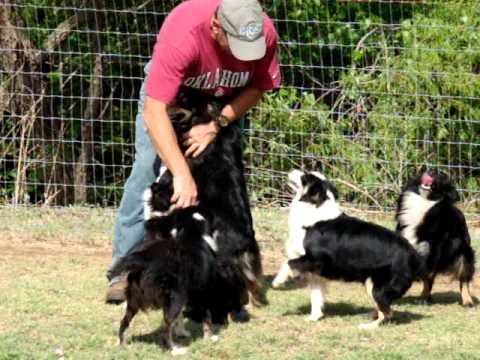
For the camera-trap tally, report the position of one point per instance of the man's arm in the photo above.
(200, 136)
(164, 139)
(246, 100)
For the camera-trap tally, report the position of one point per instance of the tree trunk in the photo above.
(85, 161)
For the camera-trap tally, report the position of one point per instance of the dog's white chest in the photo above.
(303, 215)
(413, 209)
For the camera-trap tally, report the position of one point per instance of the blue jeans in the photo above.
(129, 228)
(129, 231)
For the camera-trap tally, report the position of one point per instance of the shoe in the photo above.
(116, 292)
(240, 316)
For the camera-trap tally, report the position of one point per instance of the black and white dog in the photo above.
(177, 268)
(428, 218)
(327, 244)
(219, 176)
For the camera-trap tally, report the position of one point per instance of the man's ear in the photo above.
(215, 25)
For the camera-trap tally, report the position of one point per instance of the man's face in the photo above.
(219, 35)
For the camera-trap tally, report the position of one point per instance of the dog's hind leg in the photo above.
(384, 314)
(382, 311)
(467, 299)
(122, 331)
(426, 295)
(464, 270)
(317, 299)
(282, 276)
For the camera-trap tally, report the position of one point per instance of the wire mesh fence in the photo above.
(373, 92)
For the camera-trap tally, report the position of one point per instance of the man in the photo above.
(225, 48)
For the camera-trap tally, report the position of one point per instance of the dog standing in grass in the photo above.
(324, 243)
(178, 268)
(428, 218)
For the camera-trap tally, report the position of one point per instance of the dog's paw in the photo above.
(313, 317)
(177, 350)
(369, 326)
(468, 304)
(122, 340)
(276, 283)
(214, 338)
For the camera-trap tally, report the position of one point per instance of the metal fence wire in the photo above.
(373, 92)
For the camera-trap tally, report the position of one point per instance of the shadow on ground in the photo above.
(439, 298)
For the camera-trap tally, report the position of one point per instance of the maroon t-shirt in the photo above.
(185, 54)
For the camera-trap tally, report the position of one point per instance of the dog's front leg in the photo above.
(282, 276)
(172, 310)
(208, 331)
(317, 300)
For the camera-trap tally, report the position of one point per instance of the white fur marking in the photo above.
(199, 217)
(174, 232)
(282, 275)
(162, 171)
(176, 350)
(317, 300)
(214, 338)
(247, 270)
(211, 242)
(147, 209)
(413, 209)
(319, 175)
(303, 214)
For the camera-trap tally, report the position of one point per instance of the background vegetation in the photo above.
(373, 92)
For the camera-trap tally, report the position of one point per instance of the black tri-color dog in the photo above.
(327, 244)
(428, 218)
(177, 268)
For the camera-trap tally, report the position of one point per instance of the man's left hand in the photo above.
(199, 137)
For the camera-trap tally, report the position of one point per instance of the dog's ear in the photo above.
(332, 188)
(316, 194)
(451, 193)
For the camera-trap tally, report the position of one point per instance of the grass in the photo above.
(52, 287)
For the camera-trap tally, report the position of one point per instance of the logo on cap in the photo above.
(251, 31)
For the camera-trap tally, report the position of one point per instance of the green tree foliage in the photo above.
(372, 92)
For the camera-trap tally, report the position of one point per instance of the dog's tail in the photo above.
(304, 264)
(130, 263)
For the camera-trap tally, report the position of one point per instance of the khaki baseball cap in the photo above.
(242, 20)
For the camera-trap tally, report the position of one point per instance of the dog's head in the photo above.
(311, 187)
(192, 108)
(157, 196)
(434, 186)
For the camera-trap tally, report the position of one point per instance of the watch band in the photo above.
(222, 120)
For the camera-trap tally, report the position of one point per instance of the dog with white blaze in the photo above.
(178, 270)
(326, 244)
(428, 218)
(219, 175)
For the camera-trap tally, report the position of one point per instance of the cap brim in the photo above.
(247, 50)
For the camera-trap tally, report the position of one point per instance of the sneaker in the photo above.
(116, 292)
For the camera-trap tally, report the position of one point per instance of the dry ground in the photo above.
(52, 284)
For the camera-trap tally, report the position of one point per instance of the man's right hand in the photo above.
(184, 191)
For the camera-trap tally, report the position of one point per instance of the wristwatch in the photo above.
(222, 120)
